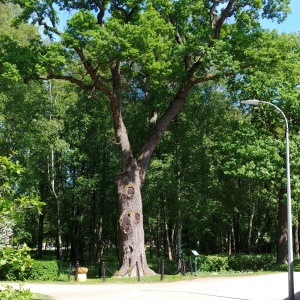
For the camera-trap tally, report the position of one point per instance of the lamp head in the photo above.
(250, 102)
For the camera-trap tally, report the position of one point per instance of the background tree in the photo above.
(282, 89)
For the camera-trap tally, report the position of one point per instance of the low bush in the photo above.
(212, 263)
(44, 270)
(236, 262)
(243, 262)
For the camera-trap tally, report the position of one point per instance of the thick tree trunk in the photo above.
(131, 232)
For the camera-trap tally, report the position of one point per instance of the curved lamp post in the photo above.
(289, 202)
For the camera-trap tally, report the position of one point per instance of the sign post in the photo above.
(196, 254)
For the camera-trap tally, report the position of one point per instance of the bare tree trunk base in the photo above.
(132, 272)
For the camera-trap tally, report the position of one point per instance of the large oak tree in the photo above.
(153, 51)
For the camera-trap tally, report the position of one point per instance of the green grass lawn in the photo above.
(41, 297)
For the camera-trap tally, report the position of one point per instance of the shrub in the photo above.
(15, 264)
(236, 262)
(11, 294)
(44, 270)
(212, 263)
(243, 262)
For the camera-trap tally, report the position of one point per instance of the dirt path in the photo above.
(259, 287)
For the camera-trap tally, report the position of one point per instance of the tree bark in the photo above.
(131, 231)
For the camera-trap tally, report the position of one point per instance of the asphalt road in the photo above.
(256, 287)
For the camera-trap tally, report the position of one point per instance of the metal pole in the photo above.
(138, 271)
(103, 271)
(289, 201)
(76, 271)
(289, 205)
(289, 220)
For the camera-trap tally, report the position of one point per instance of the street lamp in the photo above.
(288, 203)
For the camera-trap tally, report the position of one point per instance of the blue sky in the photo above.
(291, 24)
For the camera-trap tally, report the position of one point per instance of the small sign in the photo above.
(195, 253)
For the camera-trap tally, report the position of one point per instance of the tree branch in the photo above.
(41, 22)
(78, 82)
(167, 118)
(177, 35)
(119, 126)
(162, 124)
(206, 78)
(102, 7)
(210, 77)
(179, 40)
(226, 13)
(87, 64)
(121, 7)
